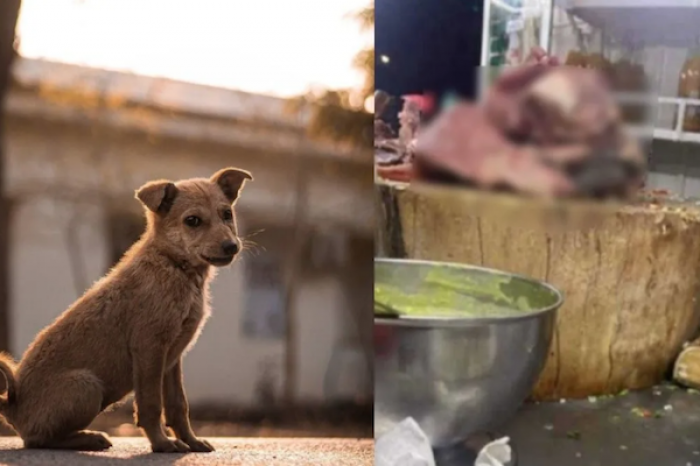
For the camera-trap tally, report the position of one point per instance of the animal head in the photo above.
(194, 218)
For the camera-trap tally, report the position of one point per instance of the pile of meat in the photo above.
(543, 129)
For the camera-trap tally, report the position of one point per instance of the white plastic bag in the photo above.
(404, 445)
(496, 453)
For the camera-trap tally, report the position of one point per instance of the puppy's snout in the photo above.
(229, 247)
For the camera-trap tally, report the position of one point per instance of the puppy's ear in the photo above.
(157, 196)
(231, 181)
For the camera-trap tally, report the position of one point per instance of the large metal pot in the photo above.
(458, 376)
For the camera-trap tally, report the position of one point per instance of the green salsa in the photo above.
(446, 291)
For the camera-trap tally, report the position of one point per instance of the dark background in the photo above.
(433, 45)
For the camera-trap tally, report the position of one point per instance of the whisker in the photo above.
(251, 244)
(255, 233)
(251, 247)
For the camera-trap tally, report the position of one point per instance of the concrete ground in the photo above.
(230, 451)
(656, 427)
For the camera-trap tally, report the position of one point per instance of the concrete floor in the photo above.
(230, 452)
(604, 432)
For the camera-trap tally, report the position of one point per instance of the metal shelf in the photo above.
(604, 4)
(670, 134)
(651, 23)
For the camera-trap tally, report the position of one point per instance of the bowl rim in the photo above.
(412, 321)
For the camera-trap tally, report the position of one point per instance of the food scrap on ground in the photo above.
(642, 412)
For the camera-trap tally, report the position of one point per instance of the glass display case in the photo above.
(511, 28)
(650, 49)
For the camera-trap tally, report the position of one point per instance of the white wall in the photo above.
(42, 285)
(223, 366)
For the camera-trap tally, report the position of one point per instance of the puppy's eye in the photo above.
(227, 215)
(193, 221)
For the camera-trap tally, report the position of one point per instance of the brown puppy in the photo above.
(131, 329)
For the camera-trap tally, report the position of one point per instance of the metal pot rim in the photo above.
(430, 322)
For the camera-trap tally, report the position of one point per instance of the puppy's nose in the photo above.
(229, 247)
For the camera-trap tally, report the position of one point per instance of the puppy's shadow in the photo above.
(117, 455)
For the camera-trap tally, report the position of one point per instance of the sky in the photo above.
(431, 46)
(276, 47)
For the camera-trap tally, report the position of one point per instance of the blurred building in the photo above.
(80, 141)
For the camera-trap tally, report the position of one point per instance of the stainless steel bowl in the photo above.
(459, 376)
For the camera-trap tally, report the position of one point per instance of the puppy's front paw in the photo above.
(200, 445)
(170, 446)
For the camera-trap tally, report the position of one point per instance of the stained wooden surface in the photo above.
(629, 274)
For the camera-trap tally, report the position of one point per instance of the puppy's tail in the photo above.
(7, 369)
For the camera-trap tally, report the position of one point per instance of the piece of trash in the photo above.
(623, 392)
(574, 435)
(404, 445)
(642, 412)
(668, 408)
(496, 453)
(578, 454)
(548, 427)
(592, 399)
(562, 401)
(623, 447)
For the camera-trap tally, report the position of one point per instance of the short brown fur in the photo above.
(130, 331)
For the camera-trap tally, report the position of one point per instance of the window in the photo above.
(264, 313)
